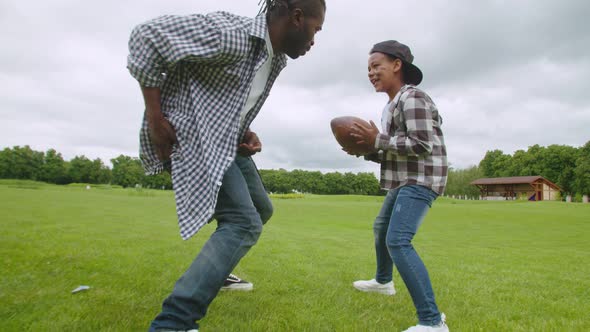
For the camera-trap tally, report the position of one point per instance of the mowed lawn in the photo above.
(495, 266)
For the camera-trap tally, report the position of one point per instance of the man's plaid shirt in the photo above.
(204, 66)
(412, 146)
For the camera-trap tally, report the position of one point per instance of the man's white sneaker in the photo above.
(442, 327)
(373, 286)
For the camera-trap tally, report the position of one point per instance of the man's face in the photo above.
(299, 37)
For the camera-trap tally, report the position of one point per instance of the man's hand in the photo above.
(250, 144)
(365, 135)
(163, 136)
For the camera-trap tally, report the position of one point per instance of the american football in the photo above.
(341, 128)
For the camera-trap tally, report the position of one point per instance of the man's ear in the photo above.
(297, 17)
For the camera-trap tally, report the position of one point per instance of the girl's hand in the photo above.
(365, 135)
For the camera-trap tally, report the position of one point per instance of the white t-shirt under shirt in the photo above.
(385, 114)
(259, 81)
(384, 118)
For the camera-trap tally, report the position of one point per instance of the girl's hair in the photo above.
(404, 66)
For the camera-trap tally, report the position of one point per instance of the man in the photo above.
(204, 79)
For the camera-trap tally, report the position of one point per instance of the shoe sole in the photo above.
(373, 290)
(238, 287)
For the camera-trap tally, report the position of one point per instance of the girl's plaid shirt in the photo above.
(412, 147)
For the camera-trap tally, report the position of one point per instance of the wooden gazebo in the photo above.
(534, 188)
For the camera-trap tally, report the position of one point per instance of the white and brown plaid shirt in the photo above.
(412, 147)
(204, 66)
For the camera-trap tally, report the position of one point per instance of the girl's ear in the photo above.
(397, 65)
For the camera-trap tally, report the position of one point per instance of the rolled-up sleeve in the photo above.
(417, 139)
(156, 45)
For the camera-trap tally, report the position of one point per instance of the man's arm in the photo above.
(154, 47)
(157, 45)
(162, 133)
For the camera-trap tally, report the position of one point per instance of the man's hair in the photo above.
(282, 7)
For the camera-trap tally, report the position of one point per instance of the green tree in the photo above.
(6, 162)
(582, 171)
(127, 171)
(336, 184)
(495, 164)
(20, 163)
(100, 173)
(368, 184)
(459, 181)
(301, 181)
(318, 183)
(79, 168)
(518, 165)
(159, 181)
(533, 162)
(559, 163)
(54, 168)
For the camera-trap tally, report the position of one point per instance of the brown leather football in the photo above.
(341, 129)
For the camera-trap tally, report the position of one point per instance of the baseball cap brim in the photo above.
(412, 74)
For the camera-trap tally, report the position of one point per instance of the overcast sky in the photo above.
(504, 74)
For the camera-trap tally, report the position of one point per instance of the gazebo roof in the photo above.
(514, 180)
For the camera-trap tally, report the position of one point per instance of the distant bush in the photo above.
(22, 184)
(14, 182)
(287, 196)
(94, 186)
(78, 185)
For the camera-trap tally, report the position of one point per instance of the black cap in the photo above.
(412, 74)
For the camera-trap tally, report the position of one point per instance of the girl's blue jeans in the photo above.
(403, 211)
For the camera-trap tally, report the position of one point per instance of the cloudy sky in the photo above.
(504, 74)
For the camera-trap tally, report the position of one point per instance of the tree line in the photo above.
(566, 166)
(314, 182)
(24, 163)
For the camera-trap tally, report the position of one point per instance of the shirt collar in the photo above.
(259, 27)
(271, 53)
(399, 93)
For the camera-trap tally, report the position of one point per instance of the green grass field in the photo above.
(495, 266)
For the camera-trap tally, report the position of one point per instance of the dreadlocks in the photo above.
(279, 6)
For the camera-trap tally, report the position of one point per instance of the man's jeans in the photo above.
(242, 208)
(398, 221)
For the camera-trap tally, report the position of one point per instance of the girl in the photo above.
(413, 160)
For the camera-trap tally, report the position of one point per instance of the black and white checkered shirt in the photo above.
(204, 66)
(412, 146)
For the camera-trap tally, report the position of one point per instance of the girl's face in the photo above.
(382, 71)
